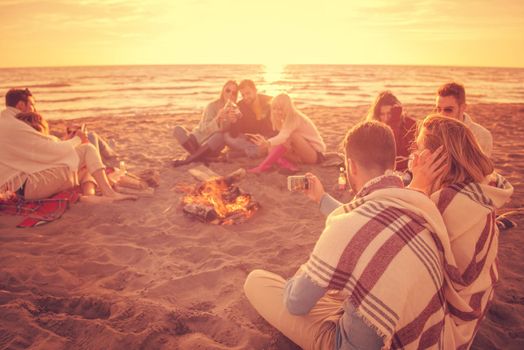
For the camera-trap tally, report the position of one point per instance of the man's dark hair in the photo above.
(14, 96)
(453, 89)
(372, 145)
(247, 83)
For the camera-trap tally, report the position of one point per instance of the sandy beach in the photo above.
(141, 275)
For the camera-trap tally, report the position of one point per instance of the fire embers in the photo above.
(218, 201)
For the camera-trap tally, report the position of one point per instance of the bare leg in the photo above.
(106, 189)
(91, 159)
(88, 188)
(301, 150)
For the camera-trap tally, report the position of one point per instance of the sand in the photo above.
(140, 275)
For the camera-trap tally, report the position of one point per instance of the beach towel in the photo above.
(469, 215)
(42, 211)
(380, 248)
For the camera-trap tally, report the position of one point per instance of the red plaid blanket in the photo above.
(39, 212)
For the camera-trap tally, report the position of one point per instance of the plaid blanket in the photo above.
(469, 215)
(383, 249)
(39, 212)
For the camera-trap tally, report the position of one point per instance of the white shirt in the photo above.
(304, 127)
(25, 151)
(482, 135)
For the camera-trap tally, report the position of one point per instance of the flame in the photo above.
(211, 193)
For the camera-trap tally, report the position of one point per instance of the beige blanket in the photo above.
(383, 249)
(469, 216)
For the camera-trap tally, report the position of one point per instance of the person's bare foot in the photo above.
(107, 199)
(121, 196)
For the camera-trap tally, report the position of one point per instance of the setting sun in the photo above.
(65, 33)
(273, 174)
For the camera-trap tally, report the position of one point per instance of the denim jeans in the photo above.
(241, 143)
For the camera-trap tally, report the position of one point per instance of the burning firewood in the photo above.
(219, 200)
(204, 213)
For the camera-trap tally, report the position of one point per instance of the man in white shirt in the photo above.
(451, 102)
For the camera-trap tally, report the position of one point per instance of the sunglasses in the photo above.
(228, 91)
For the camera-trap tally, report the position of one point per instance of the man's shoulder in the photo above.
(475, 127)
(350, 212)
(264, 100)
(9, 112)
(481, 130)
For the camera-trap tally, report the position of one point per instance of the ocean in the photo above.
(113, 91)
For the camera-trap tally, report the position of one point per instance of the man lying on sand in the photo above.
(375, 277)
(37, 165)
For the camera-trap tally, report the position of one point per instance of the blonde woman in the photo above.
(451, 168)
(298, 139)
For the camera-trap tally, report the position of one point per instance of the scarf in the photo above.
(383, 250)
(469, 215)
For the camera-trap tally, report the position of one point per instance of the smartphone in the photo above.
(297, 183)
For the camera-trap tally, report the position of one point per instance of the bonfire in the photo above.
(220, 201)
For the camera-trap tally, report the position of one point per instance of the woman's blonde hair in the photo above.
(465, 160)
(35, 120)
(291, 113)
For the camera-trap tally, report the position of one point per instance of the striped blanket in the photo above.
(469, 215)
(383, 249)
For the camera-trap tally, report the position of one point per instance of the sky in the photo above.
(120, 32)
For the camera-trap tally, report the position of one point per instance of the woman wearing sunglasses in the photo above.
(388, 109)
(207, 138)
(451, 168)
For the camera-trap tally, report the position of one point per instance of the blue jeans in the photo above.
(241, 143)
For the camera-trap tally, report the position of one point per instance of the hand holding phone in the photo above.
(315, 190)
(258, 140)
(297, 183)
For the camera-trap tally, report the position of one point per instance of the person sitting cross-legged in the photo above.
(375, 277)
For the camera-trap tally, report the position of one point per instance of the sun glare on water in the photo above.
(273, 78)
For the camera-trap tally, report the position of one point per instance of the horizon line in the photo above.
(260, 64)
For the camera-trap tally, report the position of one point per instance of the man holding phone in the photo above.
(255, 109)
(375, 276)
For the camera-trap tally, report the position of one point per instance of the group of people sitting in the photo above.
(34, 164)
(397, 267)
(273, 127)
(258, 126)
